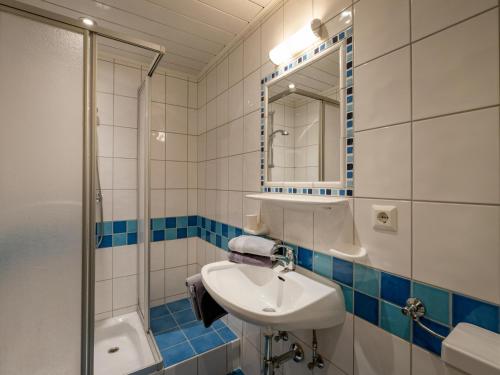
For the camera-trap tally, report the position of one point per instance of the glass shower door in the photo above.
(143, 209)
(42, 187)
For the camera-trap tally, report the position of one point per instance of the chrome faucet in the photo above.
(287, 260)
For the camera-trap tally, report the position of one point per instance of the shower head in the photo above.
(280, 131)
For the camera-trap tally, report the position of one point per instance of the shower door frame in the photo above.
(89, 128)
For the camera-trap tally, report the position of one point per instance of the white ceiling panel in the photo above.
(192, 31)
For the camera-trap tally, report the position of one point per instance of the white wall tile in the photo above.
(192, 173)
(222, 108)
(103, 296)
(176, 252)
(213, 362)
(251, 132)
(211, 174)
(429, 16)
(104, 79)
(211, 84)
(222, 76)
(251, 92)
(124, 204)
(104, 264)
(235, 101)
(157, 255)
(188, 367)
(105, 140)
(235, 208)
(192, 202)
(192, 95)
(378, 352)
(192, 122)
(157, 145)
(158, 88)
(235, 174)
(177, 91)
(175, 279)
(386, 250)
(176, 119)
(127, 80)
(456, 158)
(176, 175)
(335, 344)
(157, 168)
(333, 228)
(175, 202)
(158, 116)
(106, 172)
(125, 111)
(202, 92)
(221, 210)
(124, 260)
(192, 148)
(250, 358)
(125, 142)
(176, 147)
(235, 65)
(449, 86)
(272, 216)
(124, 292)
(381, 26)
(202, 120)
(211, 204)
(236, 136)
(223, 141)
(124, 173)
(271, 33)
(297, 14)
(158, 203)
(157, 284)
(211, 152)
(299, 227)
(192, 250)
(104, 109)
(251, 53)
(222, 173)
(251, 171)
(383, 162)
(424, 362)
(326, 9)
(456, 247)
(212, 114)
(383, 91)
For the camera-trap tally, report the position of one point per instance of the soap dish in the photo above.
(348, 252)
(262, 230)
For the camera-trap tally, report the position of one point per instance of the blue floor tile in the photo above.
(184, 316)
(182, 304)
(158, 311)
(177, 353)
(226, 334)
(170, 338)
(206, 342)
(236, 372)
(162, 324)
(218, 324)
(195, 329)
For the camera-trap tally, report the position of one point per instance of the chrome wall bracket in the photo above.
(415, 309)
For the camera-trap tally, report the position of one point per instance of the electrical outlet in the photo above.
(385, 217)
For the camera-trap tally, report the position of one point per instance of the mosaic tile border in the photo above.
(369, 293)
(341, 37)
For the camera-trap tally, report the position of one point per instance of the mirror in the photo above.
(304, 123)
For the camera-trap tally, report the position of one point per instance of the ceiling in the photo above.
(192, 31)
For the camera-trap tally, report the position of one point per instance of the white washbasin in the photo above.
(273, 299)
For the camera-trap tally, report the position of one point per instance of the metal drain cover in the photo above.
(268, 309)
(114, 349)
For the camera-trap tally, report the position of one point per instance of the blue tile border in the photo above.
(344, 37)
(381, 291)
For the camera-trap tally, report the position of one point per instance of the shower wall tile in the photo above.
(125, 111)
(104, 108)
(177, 91)
(158, 88)
(176, 119)
(158, 116)
(125, 143)
(104, 77)
(127, 81)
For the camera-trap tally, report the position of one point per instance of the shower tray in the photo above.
(122, 347)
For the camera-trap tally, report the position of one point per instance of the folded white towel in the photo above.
(252, 245)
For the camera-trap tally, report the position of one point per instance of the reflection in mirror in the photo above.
(304, 123)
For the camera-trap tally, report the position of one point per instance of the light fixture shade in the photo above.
(299, 41)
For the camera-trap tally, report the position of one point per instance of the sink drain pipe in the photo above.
(317, 360)
(271, 363)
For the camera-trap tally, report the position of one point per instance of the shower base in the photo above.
(122, 347)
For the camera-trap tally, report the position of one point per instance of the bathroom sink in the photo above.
(273, 299)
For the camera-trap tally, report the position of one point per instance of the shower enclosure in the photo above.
(48, 190)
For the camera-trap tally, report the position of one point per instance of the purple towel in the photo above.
(204, 306)
(251, 259)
